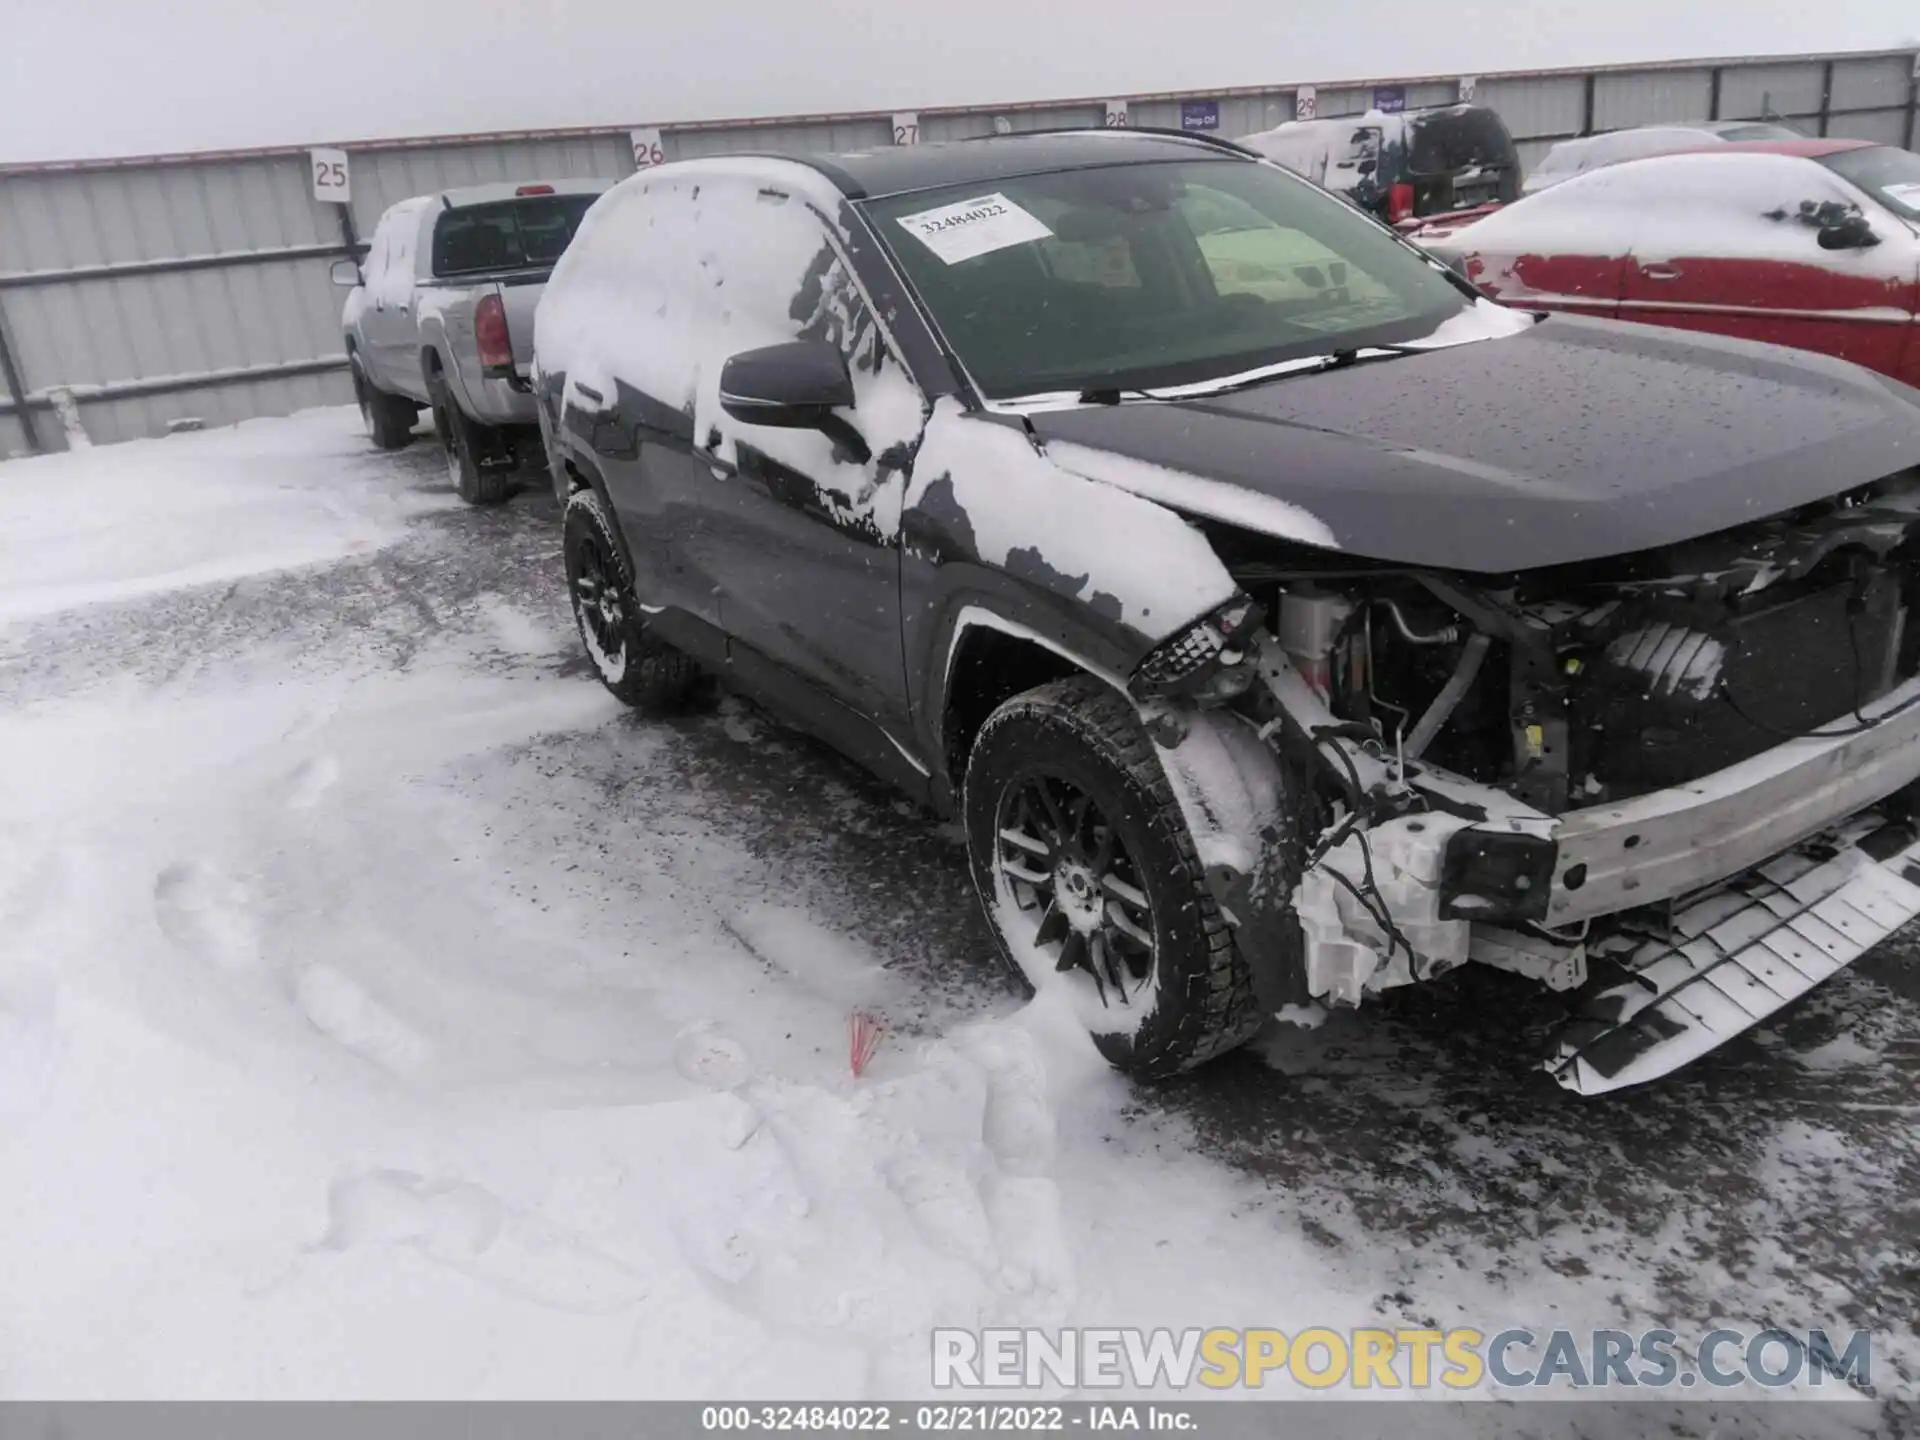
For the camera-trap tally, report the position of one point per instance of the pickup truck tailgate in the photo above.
(521, 297)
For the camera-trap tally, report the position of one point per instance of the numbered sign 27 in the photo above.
(646, 149)
(906, 128)
(1117, 118)
(332, 184)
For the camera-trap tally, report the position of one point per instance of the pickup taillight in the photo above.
(490, 335)
(1399, 203)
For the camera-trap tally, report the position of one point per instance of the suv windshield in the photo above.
(1143, 275)
(507, 235)
(1891, 176)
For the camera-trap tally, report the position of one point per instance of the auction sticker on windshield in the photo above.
(975, 227)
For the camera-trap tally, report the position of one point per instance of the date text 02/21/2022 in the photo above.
(944, 1419)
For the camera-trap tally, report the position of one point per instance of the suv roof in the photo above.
(902, 169)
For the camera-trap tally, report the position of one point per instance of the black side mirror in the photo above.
(1852, 232)
(796, 386)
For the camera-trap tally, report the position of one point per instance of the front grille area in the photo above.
(1679, 695)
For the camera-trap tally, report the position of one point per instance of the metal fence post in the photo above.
(1826, 94)
(1913, 97)
(1713, 94)
(17, 387)
(1586, 105)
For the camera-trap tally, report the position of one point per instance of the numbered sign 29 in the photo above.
(646, 149)
(1306, 103)
(332, 184)
(1117, 118)
(906, 128)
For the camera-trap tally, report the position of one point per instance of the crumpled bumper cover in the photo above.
(1737, 953)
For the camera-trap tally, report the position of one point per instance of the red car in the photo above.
(1808, 243)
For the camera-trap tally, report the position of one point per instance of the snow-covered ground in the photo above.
(385, 1013)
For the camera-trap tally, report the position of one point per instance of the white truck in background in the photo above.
(441, 317)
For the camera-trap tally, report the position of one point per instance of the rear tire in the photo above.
(1064, 788)
(479, 461)
(389, 418)
(640, 669)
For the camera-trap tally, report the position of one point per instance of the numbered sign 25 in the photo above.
(646, 149)
(1117, 117)
(906, 128)
(332, 183)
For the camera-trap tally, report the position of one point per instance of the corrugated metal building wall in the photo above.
(163, 289)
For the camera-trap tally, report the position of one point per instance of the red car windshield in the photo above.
(1891, 176)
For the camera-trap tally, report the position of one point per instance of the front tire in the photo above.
(389, 418)
(640, 670)
(1091, 883)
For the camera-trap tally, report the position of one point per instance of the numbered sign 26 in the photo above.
(1117, 118)
(332, 184)
(906, 128)
(646, 149)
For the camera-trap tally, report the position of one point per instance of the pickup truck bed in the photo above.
(441, 317)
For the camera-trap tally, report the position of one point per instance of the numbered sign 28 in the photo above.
(1117, 118)
(332, 184)
(906, 128)
(1468, 84)
(646, 149)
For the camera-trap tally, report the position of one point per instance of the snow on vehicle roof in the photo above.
(1662, 206)
(1590, 152)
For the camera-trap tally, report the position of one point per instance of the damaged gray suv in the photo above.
(1284, 621)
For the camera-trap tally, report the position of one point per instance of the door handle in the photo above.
(1659, 272)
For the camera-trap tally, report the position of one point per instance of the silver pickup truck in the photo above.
(441, 316)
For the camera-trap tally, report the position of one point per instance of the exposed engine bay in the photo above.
(1553, 772)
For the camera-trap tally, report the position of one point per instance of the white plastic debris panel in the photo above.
(1737, 954)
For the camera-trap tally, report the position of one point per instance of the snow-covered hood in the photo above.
(1573, 440)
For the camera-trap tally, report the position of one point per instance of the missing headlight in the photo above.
(1206, 662)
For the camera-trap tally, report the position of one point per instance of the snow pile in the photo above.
(417, 1032)
(154, 515)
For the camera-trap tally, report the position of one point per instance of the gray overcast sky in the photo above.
(116, 77)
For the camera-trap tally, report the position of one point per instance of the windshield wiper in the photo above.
(1308, 365)
(1339, 358)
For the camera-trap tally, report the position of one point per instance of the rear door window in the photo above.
(508, 235)
(1451, 141)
